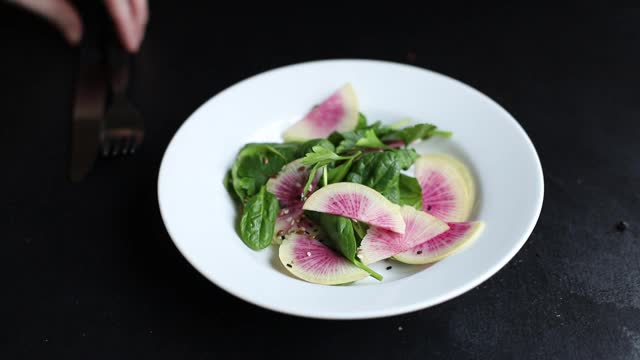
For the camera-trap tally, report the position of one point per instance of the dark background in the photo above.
(89, 272)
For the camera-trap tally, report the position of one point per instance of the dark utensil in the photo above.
(123, 129)
(88, 106)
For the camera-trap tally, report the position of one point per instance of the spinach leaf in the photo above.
(255, 163)
(405, 157)
(258, 221)
(414, 133)
(338, 173)
(379, 171)
(410, 192)
(338, 235)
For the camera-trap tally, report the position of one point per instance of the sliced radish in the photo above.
(447, 187)
(339, 113)
(287, 186)
(358, 202)
(380, 244)
(456, 238)
(312, 261)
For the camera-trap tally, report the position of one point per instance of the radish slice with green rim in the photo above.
(380, 244)
(358, 202)
(339, 112)
(312, 261)
(451, 241)
(448, 192)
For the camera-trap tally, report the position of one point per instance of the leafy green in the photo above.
(339, 236)
(405, 157)
(370, 140)
(259, 219)
(413, 133)
(362, 121)
(410, 192)
(339, 172)
(379, 171)
(307, 146)
(322, 156)
(255, 163)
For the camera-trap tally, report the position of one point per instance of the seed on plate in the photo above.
(622, 226)
(419, 252)
(289, 265)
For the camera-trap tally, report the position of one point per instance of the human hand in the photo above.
(129, 17)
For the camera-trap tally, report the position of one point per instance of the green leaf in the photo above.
(370, 140)
(321, 156)
(379, 171)
(254, 165)
(338, 235)
(413, 133)
(405, 157)
(259, 219)
(307, 146)
(362, 121)
(410, 192)
(338, 173)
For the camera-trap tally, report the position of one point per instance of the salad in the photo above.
(337, 195)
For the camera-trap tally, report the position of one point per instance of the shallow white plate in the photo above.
(199, 214)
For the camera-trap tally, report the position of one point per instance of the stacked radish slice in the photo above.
(400, 232)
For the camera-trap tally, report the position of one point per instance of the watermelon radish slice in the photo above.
(339, 113)
(287, 186)
(380, 244)
(358, 202)
(456, 238)
(447, 187)
(312, 261)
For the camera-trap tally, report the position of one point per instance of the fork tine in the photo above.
(116, 146)
(106, 146)
(126, 144)
(135, 144)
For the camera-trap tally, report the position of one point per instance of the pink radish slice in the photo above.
(339, 112)
(287, 186)
(380, 244)
(456, 238)
(357, 202)
(447, 188)
(312, 261)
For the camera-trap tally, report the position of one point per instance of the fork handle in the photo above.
(118, 59)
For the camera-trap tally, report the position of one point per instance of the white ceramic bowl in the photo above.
(199, 215)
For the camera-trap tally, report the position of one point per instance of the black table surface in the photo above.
(89, 271)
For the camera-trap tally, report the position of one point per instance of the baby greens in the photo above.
(373, 155)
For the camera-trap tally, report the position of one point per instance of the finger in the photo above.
(60, 13)
(122, 16)
(140, 11)
(141, 14)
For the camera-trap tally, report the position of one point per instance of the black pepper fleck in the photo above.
(289, 265)
(419, 252)
(622, 226)
(389, 267)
